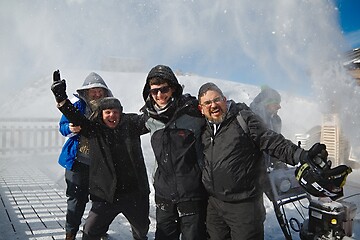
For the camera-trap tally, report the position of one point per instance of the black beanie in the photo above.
(109, 103)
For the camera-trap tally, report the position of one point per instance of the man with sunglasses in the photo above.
(232, 157)
(175, 126)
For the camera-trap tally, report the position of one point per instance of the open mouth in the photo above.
(215, 111)
(112, 121)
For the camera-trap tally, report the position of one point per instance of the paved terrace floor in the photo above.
(33, 201)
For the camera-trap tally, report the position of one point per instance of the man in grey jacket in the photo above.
(232, 157)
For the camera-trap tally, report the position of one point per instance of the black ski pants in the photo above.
(185, 219)
(236, 221)
(135, 207)
(77, 191)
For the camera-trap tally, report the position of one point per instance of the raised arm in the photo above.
(58, 88)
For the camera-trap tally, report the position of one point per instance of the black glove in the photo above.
(58, 87)
(317, 155)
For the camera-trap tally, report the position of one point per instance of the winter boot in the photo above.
(70, 236)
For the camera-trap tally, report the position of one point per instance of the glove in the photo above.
(317, 155)
(58, 87)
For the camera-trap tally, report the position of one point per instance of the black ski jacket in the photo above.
(232, 157)
(176, 142)
(117, 165)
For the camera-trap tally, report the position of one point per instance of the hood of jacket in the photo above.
(164, 72)
(265, 97)
(93, 80)
(259, 106)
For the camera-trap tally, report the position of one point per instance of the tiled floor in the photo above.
(33, 204)
(33, 201)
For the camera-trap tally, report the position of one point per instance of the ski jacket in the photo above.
(232, 157)
(176, 142)
(70, 148)
(117, 166)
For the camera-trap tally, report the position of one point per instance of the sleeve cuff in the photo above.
(297, 155)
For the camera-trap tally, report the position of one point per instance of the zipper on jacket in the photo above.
(212, 142)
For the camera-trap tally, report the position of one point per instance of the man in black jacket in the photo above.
(175, 126)
(118, 179)
(232, 169)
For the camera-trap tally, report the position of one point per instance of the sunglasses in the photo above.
(164, 89)
(209, 102)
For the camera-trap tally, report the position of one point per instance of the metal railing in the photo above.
(29, 136)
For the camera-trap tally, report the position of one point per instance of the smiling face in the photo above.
(95, 93)
(111, 117)
(213, 106)
(161, 94)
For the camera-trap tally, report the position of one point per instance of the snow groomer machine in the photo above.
(315, 191)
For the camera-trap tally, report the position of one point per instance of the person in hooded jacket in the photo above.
(232, 157)
(74, 156)
(118, 181)
(175, 126)
(266, 105)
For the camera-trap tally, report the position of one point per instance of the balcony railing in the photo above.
(29, 136)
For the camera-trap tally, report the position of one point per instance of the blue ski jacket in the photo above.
(70, 148)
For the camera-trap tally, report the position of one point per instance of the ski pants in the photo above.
(77, 191)
(135, 207)
(236, 221)
(186, 219)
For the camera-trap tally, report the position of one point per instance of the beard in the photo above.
(217, 120)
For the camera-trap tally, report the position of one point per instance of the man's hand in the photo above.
(58, 87)
(318, 150)
(73, 128)
(317, 154)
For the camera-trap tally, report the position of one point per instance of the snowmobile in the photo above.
(317, 188)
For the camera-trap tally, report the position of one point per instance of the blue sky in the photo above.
(349, 19)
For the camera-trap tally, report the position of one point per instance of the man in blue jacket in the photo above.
(74, 156)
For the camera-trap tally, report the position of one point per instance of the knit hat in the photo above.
(109, 103)
(163, 72)
(207, 87)
(105, 103)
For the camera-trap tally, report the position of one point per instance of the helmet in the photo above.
(322, 180)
